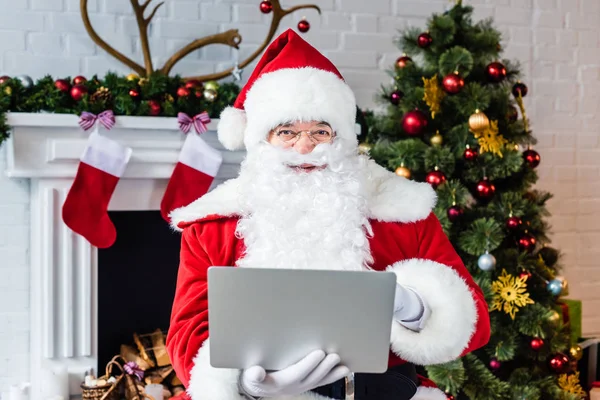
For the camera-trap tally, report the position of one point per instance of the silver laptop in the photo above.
(275, 317)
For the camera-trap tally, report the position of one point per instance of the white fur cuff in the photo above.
(429, 393)
(453, 318)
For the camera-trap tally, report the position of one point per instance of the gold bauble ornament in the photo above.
(403, 171)
(478, 122)
(576, 352)
(437, 139)
(554, 317)
(364, 148)
(210, 95)
(132, 77)
(212, 85)
(8, 90)
(564, 284)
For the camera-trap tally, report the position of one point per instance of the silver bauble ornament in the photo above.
(486, 262)
(25, 80)
(210, 95)
(554, 287)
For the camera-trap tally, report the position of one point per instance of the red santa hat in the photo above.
(292, 81)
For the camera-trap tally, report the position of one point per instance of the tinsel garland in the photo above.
(125, 95)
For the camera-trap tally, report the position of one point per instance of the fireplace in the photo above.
(136, 280)
(68, 275)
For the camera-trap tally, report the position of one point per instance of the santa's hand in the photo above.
(314, 370)
(409, 308)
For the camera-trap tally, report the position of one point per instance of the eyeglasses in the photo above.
(317, 136)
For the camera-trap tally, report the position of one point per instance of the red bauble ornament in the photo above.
(519, 88)
(496, 72)
(559, 363)
(536, 343)
(470, 154)
(193, 84)
(424, 40)
(513, 223)
(453, 83)
(485, 189)
(266, 6)
(512, 114)
(134, 93)
(79, 80)
(414, 122)
(454, 213)
(495, 364)
(525, 275)
(435, 178)
(155, 108)
(4, 79)
(63, 85)
(183, 92)
(449, 397)
(303, 26)
(532, 158)
(403, 61)
(395, 97)
(78, 91)
(527, 243)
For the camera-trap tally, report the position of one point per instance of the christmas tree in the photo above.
(455, 118)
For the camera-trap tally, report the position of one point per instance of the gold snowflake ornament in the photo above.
(490, 140)
(433, 94)
(510, 293)
(570, 383)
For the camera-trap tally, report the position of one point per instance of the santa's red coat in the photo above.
(410, 243)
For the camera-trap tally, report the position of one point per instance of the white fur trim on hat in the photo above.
(452, 307)
(231, 127)
(299, 94)
(429, 393)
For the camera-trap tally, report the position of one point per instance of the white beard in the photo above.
(300, 220)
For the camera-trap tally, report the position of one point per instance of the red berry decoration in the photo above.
(532, 158)
(470, 154)
(266, 6)
(495, 364)
(453, 83)
(155, 108)
(496, 72)
(183, 92)
(424, 40)
(79, 80)
(435, 178)
(512, 114)
(454, 213)
(527, 243)
(414, 122)
(78, 91)
(403, 61)
(519, 88)
(395, 97)
(525, 275)
(303, 26)
(485, 189)
(559, 363)
(4, 79)
(134, 93)
(193, 84)
(513, 223)
(536, 343)
(63, 85)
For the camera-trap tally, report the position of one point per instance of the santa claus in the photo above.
(305, 198)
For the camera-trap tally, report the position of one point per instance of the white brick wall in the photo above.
(557, 42)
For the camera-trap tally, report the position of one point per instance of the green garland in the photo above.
(112, 93)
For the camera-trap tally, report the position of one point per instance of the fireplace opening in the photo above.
(136, 281)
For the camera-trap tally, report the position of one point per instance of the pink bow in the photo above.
(199, 122)
(133, 369)
(106, 118)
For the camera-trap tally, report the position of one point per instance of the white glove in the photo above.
(314, 370)
(409, 308)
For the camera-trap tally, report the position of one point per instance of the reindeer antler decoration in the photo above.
(230, 38)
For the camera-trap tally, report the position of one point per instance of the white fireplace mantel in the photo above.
(46, 149)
